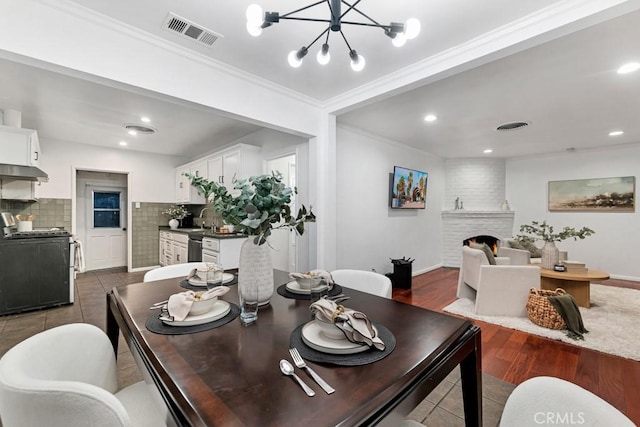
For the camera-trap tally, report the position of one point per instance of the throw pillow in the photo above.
(535, 251)
(486, 249)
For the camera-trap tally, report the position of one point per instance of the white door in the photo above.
(105, 219)
(283, 241)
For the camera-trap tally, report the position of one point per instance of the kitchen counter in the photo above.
(203, 232)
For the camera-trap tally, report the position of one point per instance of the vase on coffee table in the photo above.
(550, 255)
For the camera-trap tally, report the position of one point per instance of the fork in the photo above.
(300, 363)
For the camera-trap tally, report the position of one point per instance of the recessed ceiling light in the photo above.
(629, 68)
(123, 143)
(132, 132)
(616, 133)
(488, 151)
(145, 119)
(430, 118)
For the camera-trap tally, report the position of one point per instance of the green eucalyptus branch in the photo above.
(543, 231)
(262, 204)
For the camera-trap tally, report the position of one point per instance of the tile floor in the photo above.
(443, 407)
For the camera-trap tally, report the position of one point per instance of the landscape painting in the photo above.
(598, 194)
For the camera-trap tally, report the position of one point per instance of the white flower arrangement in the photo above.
(175, 212)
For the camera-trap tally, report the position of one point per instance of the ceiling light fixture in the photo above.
(616, 133)
(145, 119)
(430, 118)
(123, 143)
(629, 68)
(488, 151)
(399, 33)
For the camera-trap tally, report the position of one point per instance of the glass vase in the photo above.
(256, 269)
(550, 255)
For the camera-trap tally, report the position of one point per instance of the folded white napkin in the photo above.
(324, 275)
(180, 304)
(355, 324)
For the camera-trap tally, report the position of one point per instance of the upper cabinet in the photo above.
(239, 161)
(19, 146)
(185, 192)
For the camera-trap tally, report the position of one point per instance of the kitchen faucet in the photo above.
(200, 216)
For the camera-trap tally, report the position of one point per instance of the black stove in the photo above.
(33, 234)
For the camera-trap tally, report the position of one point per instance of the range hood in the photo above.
(24, 173)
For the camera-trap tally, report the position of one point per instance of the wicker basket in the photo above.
(541, 312)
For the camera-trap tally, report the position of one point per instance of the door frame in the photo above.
(74, 204)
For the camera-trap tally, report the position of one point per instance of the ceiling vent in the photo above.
(146, 130)
(193, 31)
(511, 126)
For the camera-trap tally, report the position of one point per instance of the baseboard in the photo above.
(620, 277)
(426, 270)
(137, 269)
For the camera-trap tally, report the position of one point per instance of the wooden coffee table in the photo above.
(576, 284)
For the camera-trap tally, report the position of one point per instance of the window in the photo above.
(106, 209)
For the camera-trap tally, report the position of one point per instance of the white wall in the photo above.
(152, 177)
(478, 183)
(368, 231)
(614, 246)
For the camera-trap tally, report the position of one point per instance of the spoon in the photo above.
(287, 369)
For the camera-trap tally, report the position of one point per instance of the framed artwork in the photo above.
(597, 194)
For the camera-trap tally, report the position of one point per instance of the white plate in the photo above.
(314, 338)
(218, 311)
(226, 278)
(296, 289)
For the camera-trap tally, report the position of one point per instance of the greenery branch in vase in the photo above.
(260, 205)
(543, 231)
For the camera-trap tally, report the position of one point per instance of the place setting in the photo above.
(188, 312)
(304, 286)
(341, 336)
(209, 275)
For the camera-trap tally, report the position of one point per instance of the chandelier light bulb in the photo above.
(254, 30)
(295, 57)
(411, 28)
(399, 40)
(357, 61)
(254, 15)
(324, 56)
(629, 68)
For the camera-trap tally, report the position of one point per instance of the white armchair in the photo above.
(66, 376)
(498, 290)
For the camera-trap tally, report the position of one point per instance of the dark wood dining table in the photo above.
(229, 376)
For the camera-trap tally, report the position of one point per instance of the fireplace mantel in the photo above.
(461, 224)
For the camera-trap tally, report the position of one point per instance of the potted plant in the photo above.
(258, 206)
(176, 213)
(543, 231)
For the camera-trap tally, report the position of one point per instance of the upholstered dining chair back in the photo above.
(66, 376)
(169, 271)
(365, 281)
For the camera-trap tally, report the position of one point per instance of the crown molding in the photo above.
(543, 25)
(98, 19)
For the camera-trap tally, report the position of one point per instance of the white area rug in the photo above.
(613, 321)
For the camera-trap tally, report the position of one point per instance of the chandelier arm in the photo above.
(345, 41)
(317, 38)
(366, 24)
(302, 8)
(361, 13)
(292, 18)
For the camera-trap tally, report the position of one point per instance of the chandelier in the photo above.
(399, 33)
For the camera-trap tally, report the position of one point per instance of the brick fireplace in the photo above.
(459, 225)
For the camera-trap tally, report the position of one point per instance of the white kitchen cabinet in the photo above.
(240, 161)
(172, 248)
(224, 251)
(19, 146)
(185, 192)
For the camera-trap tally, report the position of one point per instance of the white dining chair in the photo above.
(365, 281)
(66, 376)
(169, 271)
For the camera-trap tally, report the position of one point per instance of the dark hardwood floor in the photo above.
(515, 356)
